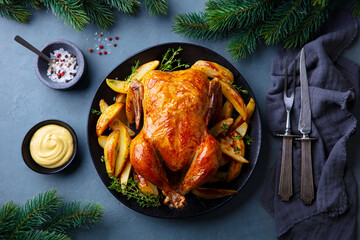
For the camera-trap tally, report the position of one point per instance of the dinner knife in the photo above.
(307, 183)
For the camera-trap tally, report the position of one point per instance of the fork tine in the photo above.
(286, 76)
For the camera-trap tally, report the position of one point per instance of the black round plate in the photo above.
(190, 54)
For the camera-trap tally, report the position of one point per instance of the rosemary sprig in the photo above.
(168, 60)
(131, 190)
(239, 88)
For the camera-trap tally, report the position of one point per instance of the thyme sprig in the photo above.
(248, 140)
(133, 70)
(169, 59)
(131, 190)
(96, 112)
(239, 88)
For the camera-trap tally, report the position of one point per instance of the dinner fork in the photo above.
(285, 184)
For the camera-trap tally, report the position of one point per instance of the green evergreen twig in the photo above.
(125, 6)
(14, 11)
(156, 7)
(99, 13)
(45, 217)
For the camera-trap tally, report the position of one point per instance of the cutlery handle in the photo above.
(30, 47)
(307, 183)
(285, 183)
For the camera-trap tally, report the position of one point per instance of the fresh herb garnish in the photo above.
(225, 126)
(131, 190)
(248, 140)
(169, 59)
(96, 112)
(237, 150)
(133, 70)
(237, 136)
(102, 159)
(239, 88)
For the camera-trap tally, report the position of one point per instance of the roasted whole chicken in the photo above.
(174, 149)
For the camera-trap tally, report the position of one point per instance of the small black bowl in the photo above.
(25, 149)
(41, 65)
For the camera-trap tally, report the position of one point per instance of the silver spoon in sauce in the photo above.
(32, 48)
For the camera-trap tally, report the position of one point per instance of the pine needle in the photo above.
(71, 11)
(356, 7)
(99, 14)
(226, 16)
(243, 43)
(8, 212)
(195, 25)
(156, 7)
(35, 4)
(75, 215)
(44, 235)
(36, 211)
(15, 12)
(125, 6)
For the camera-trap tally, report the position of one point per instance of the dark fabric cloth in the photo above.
(334, 91)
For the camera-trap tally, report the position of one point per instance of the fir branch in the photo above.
(356, 7)
(125, 6)
(8, 212)
(44, 235)
(36, 211)
(99, 13)
(75, 215)
(131, 190)
(243, 43)
(156, 7)
(308, 27)
(71, 11)
(195, 25)
(35, 4)
(226, 16)
(283, 19)
(14, 11)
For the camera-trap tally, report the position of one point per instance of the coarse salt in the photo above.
(64, 68)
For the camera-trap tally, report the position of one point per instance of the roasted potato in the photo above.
(110, 152)
(144, 69)
(236, 166)
(124, 177)
(107, 116)
(145, 186)
(123, 150)
(102, 141)
(234, 98)
(228, 150)
(227, 110)
(117, 85)
(221, 127)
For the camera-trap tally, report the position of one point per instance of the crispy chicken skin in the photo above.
(174, 138)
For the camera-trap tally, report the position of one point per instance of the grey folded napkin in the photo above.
(334, 91)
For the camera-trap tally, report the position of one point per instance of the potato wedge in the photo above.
(234, 98)
(107, 116)
(124, 177)
(130, 107)
(242, 129)
(235, 166)
(123, 150)
(228, 150)
(118, 85)
(250, 107)
(214, 70)
(145, 186)
(120, 98)
(227, 110)
(102, 141)
(110, 152)
(221, 127)
(144, 69)
(116, 122)
(212, 193)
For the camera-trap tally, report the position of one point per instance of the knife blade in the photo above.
(307, 183)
